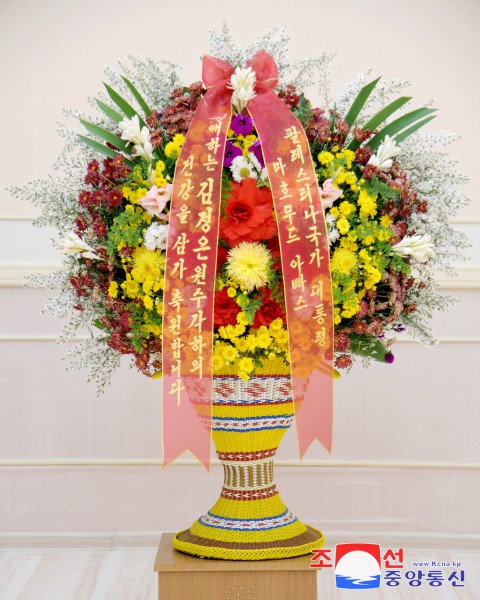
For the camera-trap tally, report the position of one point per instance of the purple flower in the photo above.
(242, 125)
(256, 148)
(231, 152)
(389, 358)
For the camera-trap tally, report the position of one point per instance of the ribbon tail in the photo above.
(187, 327)
(305, 265)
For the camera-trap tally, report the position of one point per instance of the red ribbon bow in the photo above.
(191, 263)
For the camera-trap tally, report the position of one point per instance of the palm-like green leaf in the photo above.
(359, 102)
(123, 105)
(113, 114)
(106, 135)
(138, 97)
(105, 150)
(408, 132)
(399, 125)
(380, 117)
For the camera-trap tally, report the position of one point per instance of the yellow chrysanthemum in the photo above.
(276, 325)
(113, 289)
(263, 338)
(241, 344)
(343, 261)
(242, 318)
(147, 264)
(368, 204)
(346, 208)
(230, 354)
(228, 332)
(386, 221)
(325, 157)
(218, 363)
(246, 365)
(147, 302)
(343, 225)
(172, 150)
(248, 263)
(130, 287)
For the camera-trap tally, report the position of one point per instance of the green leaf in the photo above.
(106, 135)
(105, 150)
(398, 125)
(359, 102)
(157, 375)
(113, 114)
(332, 121)
(123, 105)
(408, 132)
(380, 117)
(100, 325)
(365, 345)
(138, 97)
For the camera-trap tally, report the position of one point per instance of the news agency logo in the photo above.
(358, 566)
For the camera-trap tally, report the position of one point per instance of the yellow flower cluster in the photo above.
(239, 350)
(358, 257)
(172, 149)
(158, 174)
(243, 141)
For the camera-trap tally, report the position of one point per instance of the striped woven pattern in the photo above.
(249, 521)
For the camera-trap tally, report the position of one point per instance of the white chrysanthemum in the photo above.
(73, 244)
(249, 265)
(242, 83)
(241, 168)
(333, 235)
(330, 219)
(382, 159)
(156, 236)
(419, 247)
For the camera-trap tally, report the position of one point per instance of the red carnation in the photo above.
(249, 214)
(225, 309)
(269, 310)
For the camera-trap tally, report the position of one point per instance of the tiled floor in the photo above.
(128, 575)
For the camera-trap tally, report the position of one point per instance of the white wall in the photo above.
(406, 453)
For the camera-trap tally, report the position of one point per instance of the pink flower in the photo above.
(329, 193)
(155, 201)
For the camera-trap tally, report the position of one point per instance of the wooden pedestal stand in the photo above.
(183, 577)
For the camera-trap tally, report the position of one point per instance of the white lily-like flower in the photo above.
(384, 155)
(131, 130)
(145, 150)
(132, 133)
(73, 244)
(419, 247)
(242, 82)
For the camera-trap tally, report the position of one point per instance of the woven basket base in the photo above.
(186, 542)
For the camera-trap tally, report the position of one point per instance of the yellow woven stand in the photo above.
(249, 521)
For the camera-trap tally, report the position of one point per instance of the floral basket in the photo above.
(248, 246)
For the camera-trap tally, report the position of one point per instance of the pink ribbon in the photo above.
(191, 263)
